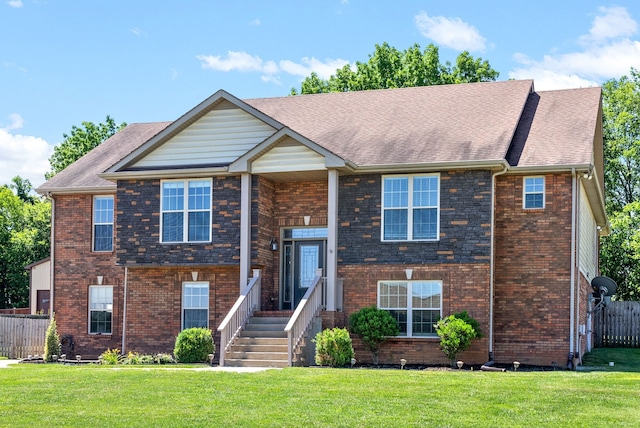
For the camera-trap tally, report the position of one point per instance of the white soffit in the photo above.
(219, 137)
(288, 156)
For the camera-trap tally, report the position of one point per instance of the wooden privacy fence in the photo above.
(617, 325)
(22, 335)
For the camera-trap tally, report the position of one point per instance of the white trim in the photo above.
(331, 267)
(185, 211)
(245, 229)
(193, 284)
(410, 207)
(525, 193)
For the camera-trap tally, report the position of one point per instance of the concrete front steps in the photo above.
(261, 343)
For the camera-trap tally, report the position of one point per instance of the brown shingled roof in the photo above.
(558, 128)
(428, 124)
(83, 174)
(465, 123)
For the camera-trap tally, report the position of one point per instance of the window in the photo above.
(195, 304)
(533, 192)
(416, 305)
(186, 215)
(100, 309)
(410, 207)
(103, 223)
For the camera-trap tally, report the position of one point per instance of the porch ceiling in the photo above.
(283, 177)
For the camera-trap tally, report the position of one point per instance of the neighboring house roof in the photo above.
(37, 263)
(489, 123)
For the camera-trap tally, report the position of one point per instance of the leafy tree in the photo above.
(390, 68)
(24, 238)
(620, 251)
(621, 117)
(23, 188)
(82, 140)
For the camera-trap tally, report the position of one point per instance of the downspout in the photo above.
(51, 251)
(492, 257)
(124, 308)
(572, 315)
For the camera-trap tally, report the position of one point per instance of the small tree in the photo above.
(52, 341)
(374, 326)
(333, 347)
(455, 336)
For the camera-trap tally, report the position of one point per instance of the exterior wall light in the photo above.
(273, 245)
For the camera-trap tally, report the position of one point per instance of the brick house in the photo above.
(484, 197)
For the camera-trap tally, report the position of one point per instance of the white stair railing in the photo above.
(308, 308)
(241, 311)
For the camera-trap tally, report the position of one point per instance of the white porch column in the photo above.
(245, 229)
(332, 240)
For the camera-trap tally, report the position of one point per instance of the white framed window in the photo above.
(533, 192)
(185, 211)
(103, 223)
(100, 309)
(195, 304)
(416, 305)
(411, 207)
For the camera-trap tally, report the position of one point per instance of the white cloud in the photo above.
(255, 23)
(17, 122)
(23, 155)
(15, 3)
(137, 31)
(244, 62)
(608, 51)
(614, 22)
(450, 32)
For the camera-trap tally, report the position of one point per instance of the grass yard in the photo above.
(54, 395)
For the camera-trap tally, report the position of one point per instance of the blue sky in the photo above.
(65, 62)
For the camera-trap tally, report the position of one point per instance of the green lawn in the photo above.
(54, 395)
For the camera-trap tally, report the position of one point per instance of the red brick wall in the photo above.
(532, 273)
(464, 288)
(76, 267)
(154, 304)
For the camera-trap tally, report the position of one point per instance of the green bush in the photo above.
(193, 345)
(110, 357)
(374, 326)
(333, 347)
(52, 341)
(455, 336)
(464, 316)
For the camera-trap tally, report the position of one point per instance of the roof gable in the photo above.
(215, 132)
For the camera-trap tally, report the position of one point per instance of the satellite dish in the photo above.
(604, 286)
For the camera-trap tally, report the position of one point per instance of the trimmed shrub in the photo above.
(333, 347)
(374, 326)
(52, 341)
(464, 316)
(193, 345)
(455, 336)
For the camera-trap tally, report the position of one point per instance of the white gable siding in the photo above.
(219, 137)
(588, 238)
(288, 157)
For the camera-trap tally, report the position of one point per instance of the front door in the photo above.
(302, 257)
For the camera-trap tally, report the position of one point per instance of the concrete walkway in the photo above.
(6, 363)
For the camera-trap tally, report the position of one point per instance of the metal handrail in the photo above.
(241, 311)
(308, 308)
